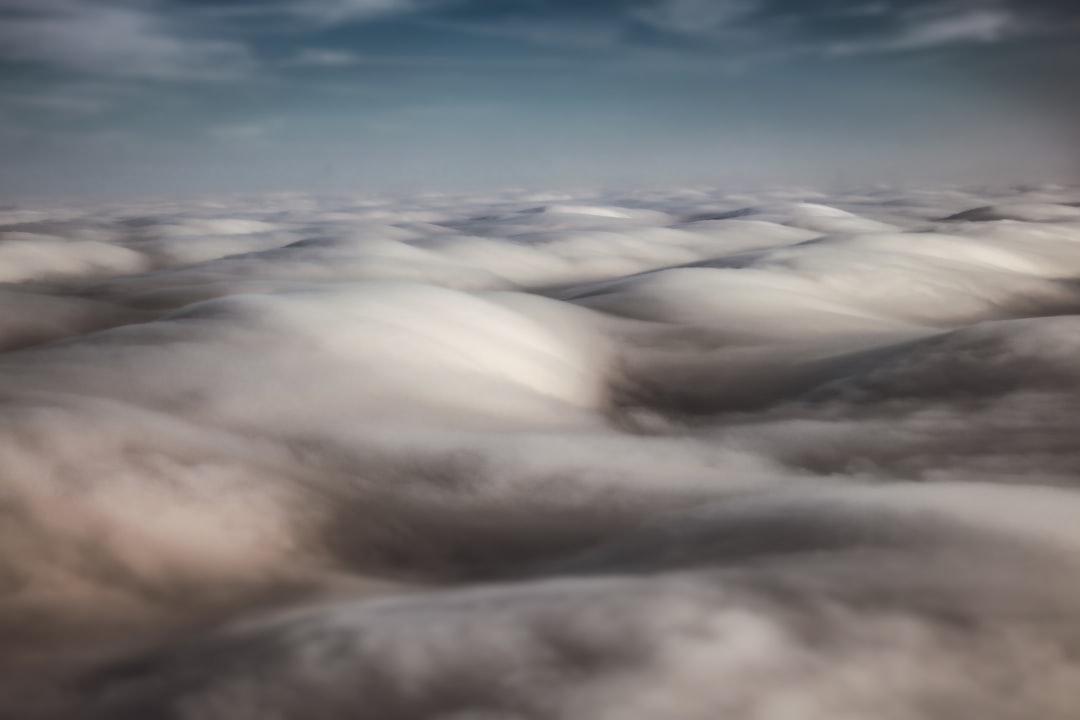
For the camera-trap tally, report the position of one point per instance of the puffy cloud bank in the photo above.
(677, 454)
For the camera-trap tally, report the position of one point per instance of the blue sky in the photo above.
(113, 97)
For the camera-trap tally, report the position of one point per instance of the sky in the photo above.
(121, 97)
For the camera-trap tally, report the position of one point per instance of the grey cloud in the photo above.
(803, 606)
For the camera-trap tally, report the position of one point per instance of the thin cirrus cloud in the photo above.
(78, 100)
(316, 58)
(695, 16)
(754, 32)
(981, 25)
(336, 11)
(163, 40)
(324, 58)
(171, 40)
(739, 24)
(129, 39)
(927, 30)
(306, 15)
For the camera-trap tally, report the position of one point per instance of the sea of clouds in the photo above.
(681, 454)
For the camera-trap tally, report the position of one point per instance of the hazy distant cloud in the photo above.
(549, 31)
(334, 58)
(77, 99)
(114, 37)
(695, 16)
(335, 11)
(315, 14)
(242, 132)
(325, 58)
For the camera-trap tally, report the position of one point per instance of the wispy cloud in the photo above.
(243, 132)
(123, 38)
(318, 14)
(552, 31)
(337, 11)
(91, 98)
(324, 58)
(764, 31)
(695, 17)
(979, 25)
(941, 27)
(335, 58)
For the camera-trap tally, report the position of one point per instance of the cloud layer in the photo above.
(670, 453)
